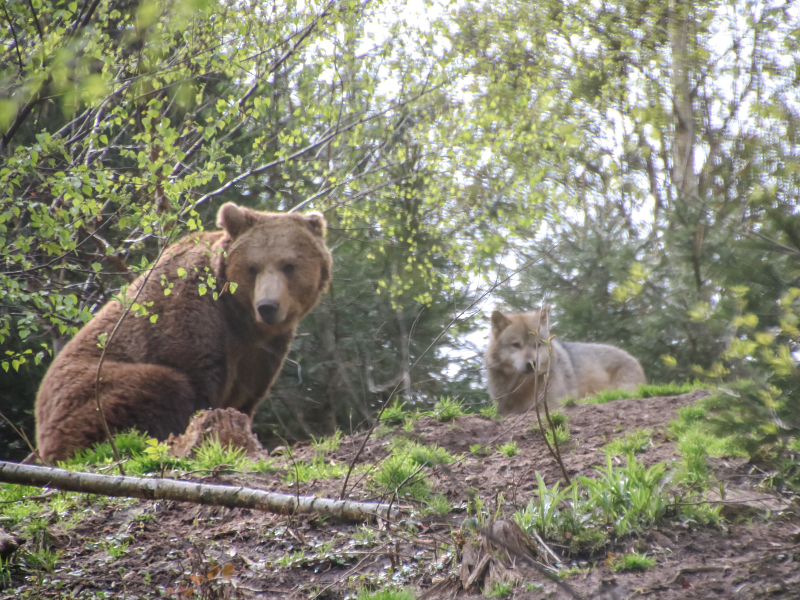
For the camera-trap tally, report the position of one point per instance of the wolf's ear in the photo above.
(499, 322)
(234, 219)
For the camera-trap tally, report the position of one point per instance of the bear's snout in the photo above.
(268, 311)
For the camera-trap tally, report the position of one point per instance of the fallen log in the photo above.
(188, 491)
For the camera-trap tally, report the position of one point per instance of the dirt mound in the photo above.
(138, 549)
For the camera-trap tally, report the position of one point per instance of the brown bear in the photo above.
(266, 271)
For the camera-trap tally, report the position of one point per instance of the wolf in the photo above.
(517, 360)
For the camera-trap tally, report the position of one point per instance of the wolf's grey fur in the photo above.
(516, 364)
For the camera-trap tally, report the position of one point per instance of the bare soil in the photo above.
(139, 549)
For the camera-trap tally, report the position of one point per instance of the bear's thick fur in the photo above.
(200, 353)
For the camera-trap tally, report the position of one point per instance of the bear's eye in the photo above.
(253, 270)
(516, 345)
(288, 269)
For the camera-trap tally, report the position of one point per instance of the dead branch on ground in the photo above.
(189, 491)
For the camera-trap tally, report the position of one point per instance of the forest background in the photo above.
(634, 161)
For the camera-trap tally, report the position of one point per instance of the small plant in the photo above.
(631, 497)
(41, 560)
(5, 573)
(211, 455)
(489, 410)
(479, 450)
(500, 589)
(509, 449)
(562, 435)
(365, 535)
(117, 548)
(542, 512)
(439, 505)
(587, 541)
(632, 562)
(290, 560)
(394, 414)
(428, 456)
(633, 443)
(265, 466)
(447, 409)
(302, 471)
(401, 475)
(327, 444)
(559, 419)
(386, 594)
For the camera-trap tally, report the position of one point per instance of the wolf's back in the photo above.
(599, 367)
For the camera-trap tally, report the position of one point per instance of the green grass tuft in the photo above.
(633, 562)
(400, 474)
(510, 449)
(386, 594)
(645, 390)
(447, 409)
(635, 442)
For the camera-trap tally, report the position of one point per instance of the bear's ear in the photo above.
(499, 322)
(316, 223)
(233, 219)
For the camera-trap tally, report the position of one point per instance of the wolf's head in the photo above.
(519, 341)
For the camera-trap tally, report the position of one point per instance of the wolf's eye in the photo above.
(288, 269)
(516, 345)
(253, 270)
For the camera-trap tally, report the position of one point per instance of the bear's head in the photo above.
(278, 261)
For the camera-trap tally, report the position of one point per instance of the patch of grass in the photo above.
(489, 410)
(562, 435)
(303, 471)
(328, 444)
(117, 548)
(439, 505)
(447, 409)
(423, 455)
(212, 455)
(129, 444)
(394, 414)
(587, 541)
(510, 449)
(386, 594)
(559, 419)
(688, 416)
(635, 442)
(697, 440)
(5, 573)
(400, 474)
(479, 450)
(542, 512)
(632, 562)
(43, 559)
(606, 396)
(645, 390)
(500, 589)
